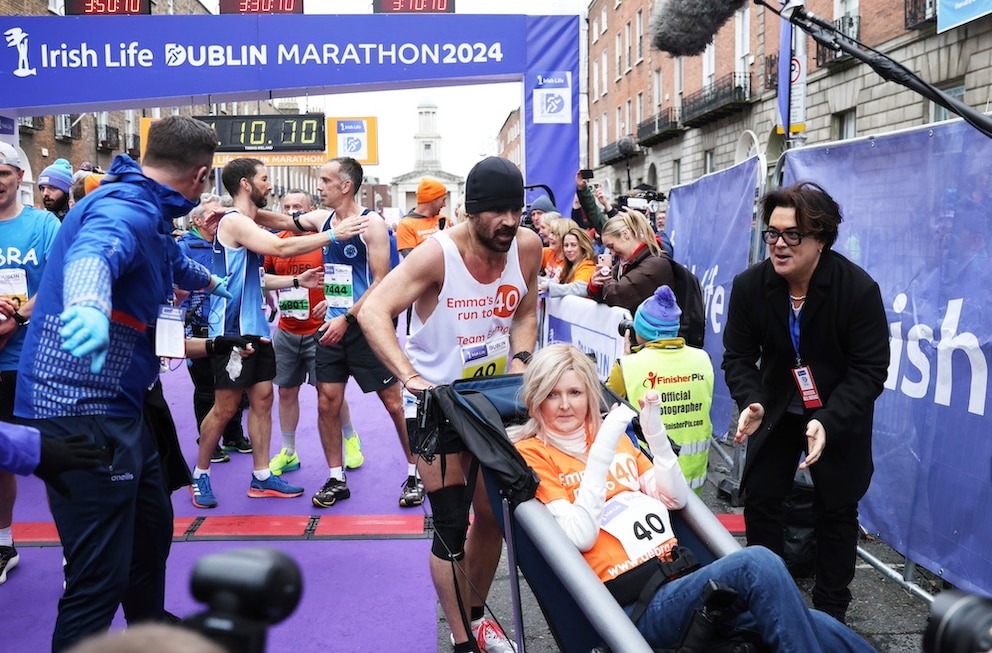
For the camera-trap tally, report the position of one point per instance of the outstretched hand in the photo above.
(351, 227)
(86, 333)
(748, 422)
(816, 441)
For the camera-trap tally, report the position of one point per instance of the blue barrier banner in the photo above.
(83, 63)
(709, 222)
(551, 98)
(587, 324)
(916, 209)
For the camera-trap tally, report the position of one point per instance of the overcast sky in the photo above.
(468, 117)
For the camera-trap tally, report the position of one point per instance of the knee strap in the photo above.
(450, 512)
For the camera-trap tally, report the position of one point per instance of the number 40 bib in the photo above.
(639, 522)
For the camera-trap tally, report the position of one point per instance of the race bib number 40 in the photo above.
(639, 522)
(485, 359)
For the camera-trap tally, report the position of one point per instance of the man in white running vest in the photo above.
(473, 288)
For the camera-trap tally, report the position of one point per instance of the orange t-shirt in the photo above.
(295, 266)
(582, 272)
(412, 231)
(551, 263)
(560, 476)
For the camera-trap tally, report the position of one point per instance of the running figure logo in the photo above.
(18, 38)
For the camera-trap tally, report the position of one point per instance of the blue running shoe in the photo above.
(273, 486)
(203, 494)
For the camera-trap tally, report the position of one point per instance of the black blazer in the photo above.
(843, 338)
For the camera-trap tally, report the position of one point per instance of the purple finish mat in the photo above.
(357, 596)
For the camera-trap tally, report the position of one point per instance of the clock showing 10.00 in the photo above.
(276, 133)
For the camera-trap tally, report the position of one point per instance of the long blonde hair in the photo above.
(638, 226)
(543, 372)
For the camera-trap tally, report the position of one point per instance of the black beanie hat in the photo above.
(493, 184)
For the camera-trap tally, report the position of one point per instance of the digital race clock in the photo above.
(279, 133)
(413, 6)
(107, 7)
(261, 6)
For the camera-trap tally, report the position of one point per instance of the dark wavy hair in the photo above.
(817, 214)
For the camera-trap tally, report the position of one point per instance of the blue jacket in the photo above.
(125, 225)
(20, 448)
(197, 305)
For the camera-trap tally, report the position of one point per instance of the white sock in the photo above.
(337, 473)
(348, 431)
(197, 472)
(6, 537)
(411, 469)
(262, 474)
(289, 442)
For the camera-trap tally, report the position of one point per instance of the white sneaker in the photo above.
(490, 637)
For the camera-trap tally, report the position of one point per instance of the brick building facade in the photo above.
(692, 115)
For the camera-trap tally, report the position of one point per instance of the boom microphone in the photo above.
(684, 28)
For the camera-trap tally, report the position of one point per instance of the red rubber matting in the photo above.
(301, 527)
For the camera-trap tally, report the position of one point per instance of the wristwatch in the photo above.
(523, 356)
(350, 318)
(20, 319)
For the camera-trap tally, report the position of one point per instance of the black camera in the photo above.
(958, 623)
(626, 329)
(245, 591)
(645, 201)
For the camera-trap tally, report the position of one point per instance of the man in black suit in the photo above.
(806, 355)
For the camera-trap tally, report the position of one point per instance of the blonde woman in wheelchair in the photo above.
(613, 503)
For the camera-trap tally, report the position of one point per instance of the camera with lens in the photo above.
(958, 623)
(626, 330)
(645, 201)
(245, 591)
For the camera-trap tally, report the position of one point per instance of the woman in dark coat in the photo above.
(806, 355)
(638, 266)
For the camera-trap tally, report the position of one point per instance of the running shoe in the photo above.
(490, 637)
(239, 444)
(412, 494)
(219, 456)
(353, 456)
(273, 486)
(8, 560)
(283, 462)
(203, 494)
(332, 492)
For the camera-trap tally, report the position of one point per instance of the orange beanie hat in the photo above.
(91, 182)
(429, 190)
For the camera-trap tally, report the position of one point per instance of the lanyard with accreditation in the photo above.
(801, 373)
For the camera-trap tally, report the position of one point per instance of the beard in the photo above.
(257, 197)
(498, 241)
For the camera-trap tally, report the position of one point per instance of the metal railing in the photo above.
(771, 71)
(107, 138)
(725, 95)
(849, 26)
(664, 124)
(920, 13)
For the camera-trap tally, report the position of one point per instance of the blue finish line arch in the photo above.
(54, 65)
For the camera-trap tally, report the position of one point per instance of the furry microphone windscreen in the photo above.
(684, 28)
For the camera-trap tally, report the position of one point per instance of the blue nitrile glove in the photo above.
(86, 333)
(220, 287)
